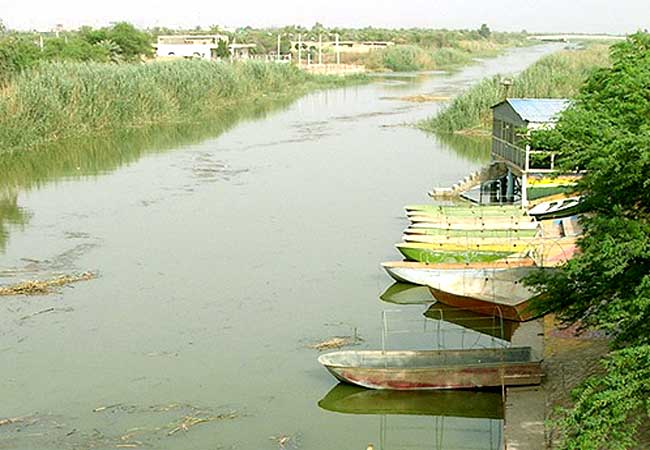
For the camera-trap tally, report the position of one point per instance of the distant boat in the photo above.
(555, 209)
(407, 294)
(348, 399)
(430, 253)
(434, 369)
(436, 274)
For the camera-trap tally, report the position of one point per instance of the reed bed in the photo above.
(559, 75)
(410, 58)
(63, 99)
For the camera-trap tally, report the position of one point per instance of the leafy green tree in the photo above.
(222, 49)
(75, 49)
(17, 53)
(3, 28)
(484, 31)
(132, 42)
(607, 284)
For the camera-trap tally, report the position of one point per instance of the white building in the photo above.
(189, 46)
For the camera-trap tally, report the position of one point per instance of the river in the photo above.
(223, 251)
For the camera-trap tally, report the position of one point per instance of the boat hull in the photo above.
(428, 254)
(518, 313)
(447, 274)
(446, 369)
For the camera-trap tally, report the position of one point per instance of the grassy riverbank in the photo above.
(559, 75)
(409, 58)
(65, 99)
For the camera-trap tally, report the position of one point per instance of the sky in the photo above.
(584, 16)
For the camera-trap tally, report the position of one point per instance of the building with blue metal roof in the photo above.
(512, 119)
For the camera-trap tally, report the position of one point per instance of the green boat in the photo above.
(407, 294)
(512, 233)
(347, 399)
(461, 211)
(428, 254)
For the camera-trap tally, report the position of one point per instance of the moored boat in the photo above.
(555, 209)
(474, 211)
(472, 241)
(434, 274)
(435, 253)
(434, 369)
(504, 294)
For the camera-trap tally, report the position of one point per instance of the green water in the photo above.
(223, 251)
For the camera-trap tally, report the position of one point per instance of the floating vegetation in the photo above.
(125, 426)
(44, 287)
(286, 441)
(337, 342)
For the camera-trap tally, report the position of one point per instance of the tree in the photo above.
(132, 42)
(222, 49)
(3, 28)
(484, 31)
(606, 286)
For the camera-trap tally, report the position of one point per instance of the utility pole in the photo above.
(278, 47)
(338, 52)
(320, 48)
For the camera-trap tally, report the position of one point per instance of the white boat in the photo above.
(439, 275)
(555, 209)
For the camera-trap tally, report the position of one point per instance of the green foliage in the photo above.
(484, 31)
(59, 99)
(610, 409)
(222, 49)
(74, 49)
(17, 53)
(607, 284)
(558, 75)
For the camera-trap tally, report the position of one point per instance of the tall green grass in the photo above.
(63, 99)
(559, 75)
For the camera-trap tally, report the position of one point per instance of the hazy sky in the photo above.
(611, 16)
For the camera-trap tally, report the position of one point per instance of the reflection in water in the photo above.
(470, 148)
(348, 399)
(101, 154)
(468, 320)
(436, 419)
(10, 214)
(407, 294)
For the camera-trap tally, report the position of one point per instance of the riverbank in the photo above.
(66, 99)
(559, 75)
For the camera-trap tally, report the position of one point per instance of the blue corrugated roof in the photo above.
(538, 109)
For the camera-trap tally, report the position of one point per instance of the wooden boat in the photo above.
(435, 253)
(555, 209)
(348, 399)
(488, 325)
(434, 369)
(433, 274)
(407, 294)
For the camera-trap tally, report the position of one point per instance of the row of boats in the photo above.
(474, 258)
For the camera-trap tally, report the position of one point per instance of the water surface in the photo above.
(223, 251)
